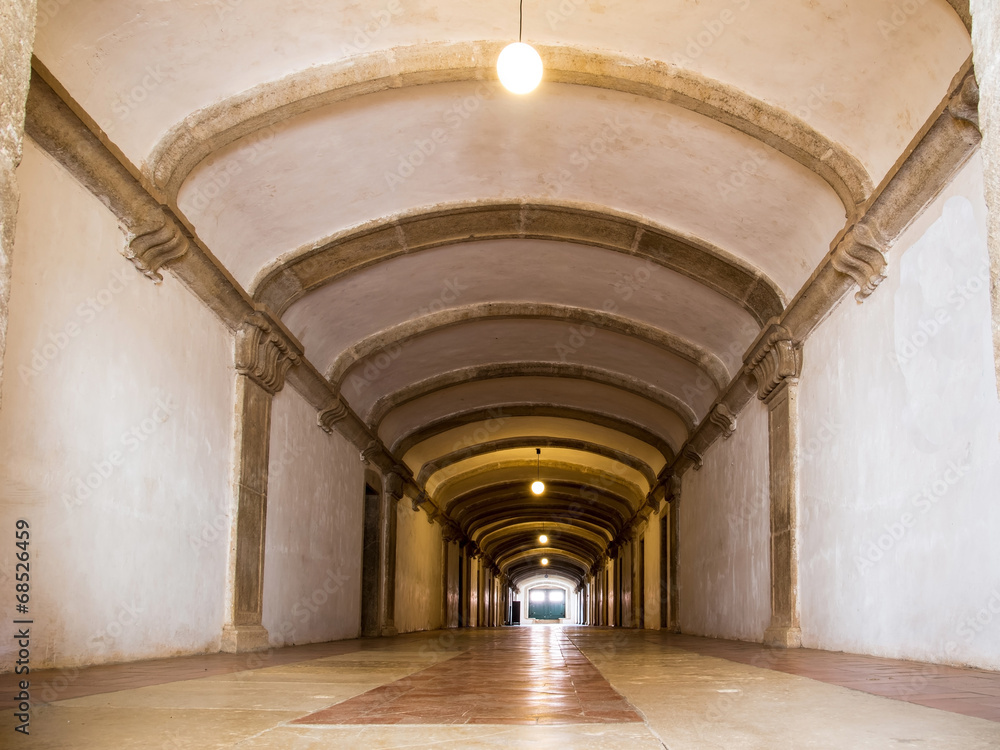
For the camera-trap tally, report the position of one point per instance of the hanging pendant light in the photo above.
(538, 486)
(519, 65)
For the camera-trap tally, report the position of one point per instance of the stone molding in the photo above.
(151, 249)
(205, 131)
(723, 418)
(419, 389)
(693, 457)
(371, 451)
(861, 254)
(944, 144)
(964, 105)
(402, 334)
(395, 483)
(263, 353)
(313, 266)
(775, 360)
(328, 418)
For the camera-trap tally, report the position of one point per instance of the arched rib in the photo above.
(296, 274)
(403, 333)
(263, 107)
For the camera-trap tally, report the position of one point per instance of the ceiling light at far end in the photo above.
(543, 539)
(545, 561)
(538, 487)
(520, 68)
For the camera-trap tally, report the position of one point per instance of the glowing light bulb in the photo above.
(520, 68)
(543, 539)
(545, 561)
(538, 487)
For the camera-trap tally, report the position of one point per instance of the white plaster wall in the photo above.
(724, 548)
(127, 385)
(419, 573)
(651, 562)
(315, 507)
(901, 461)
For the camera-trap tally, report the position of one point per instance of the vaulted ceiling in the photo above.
(481, 274)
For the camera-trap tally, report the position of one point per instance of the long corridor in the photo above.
(540, 686)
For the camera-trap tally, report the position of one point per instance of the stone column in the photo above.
(263, 356)
(986, 54)
(392, 495)
(673, 497)
(776, 363)
(17, 38)
(638, 531)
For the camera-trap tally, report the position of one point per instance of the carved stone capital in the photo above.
(774, 360)
(672, 488)
(370, 451)
(450, 532)
(861, 254)
(263, 354)
(154, 243)
(964, 105)
(696, 459)
(420, 500)
(394, 485)
(723, 418)
(336, 412)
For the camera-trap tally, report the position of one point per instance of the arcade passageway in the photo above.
(540, 686)
(656, 406)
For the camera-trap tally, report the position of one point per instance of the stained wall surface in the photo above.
(115, 439)
(419, 574)
(312, 558)
(901, 453)
(724, 566)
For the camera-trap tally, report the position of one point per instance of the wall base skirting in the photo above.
(783, 636)
(242, 639)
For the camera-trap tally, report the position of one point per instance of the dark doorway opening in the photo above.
(665, 571)
(369, 564)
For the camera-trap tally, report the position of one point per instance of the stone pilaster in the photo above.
(263, 356)
(17, 37)
(673, 497)
(986, 53)
(776, 363)
(394, 485)
(638, 532)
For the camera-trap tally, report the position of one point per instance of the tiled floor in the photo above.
(542, 687)
(522, 676)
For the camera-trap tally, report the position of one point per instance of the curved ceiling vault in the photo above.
(482, 275)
